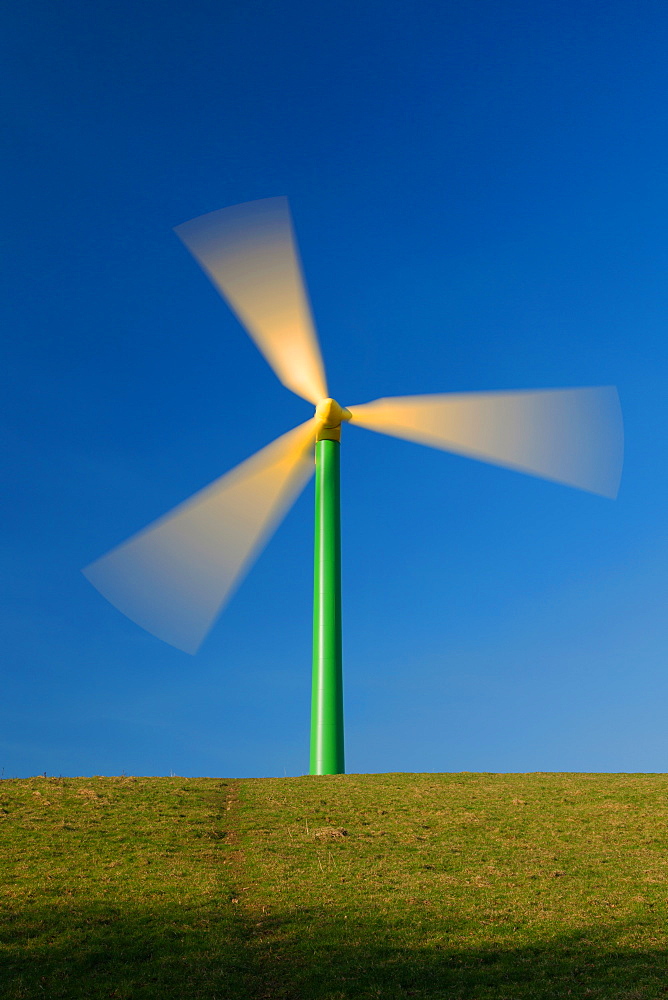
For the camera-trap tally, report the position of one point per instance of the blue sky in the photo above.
(480, 195)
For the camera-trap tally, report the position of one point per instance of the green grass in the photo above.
(459, 886)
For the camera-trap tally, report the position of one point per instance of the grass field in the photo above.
(465, 886)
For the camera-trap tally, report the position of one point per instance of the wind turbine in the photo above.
(174, 576)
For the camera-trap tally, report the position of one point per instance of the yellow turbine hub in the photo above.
(329, 415)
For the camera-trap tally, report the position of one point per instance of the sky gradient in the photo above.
(480, 197)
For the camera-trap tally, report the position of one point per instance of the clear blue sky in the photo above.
(480, 193)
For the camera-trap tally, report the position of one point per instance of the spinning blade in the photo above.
(573, 436)
(249, 253)
(173, 577)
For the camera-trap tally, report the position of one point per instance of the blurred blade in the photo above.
(249, 253)
(574, 436)
(173, 577)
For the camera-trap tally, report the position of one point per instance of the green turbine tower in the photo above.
(174, 576)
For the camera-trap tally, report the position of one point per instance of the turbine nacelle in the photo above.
(329, 415)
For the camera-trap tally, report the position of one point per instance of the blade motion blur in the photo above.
(174, 576)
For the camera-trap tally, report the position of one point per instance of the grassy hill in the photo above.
(465, 886)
